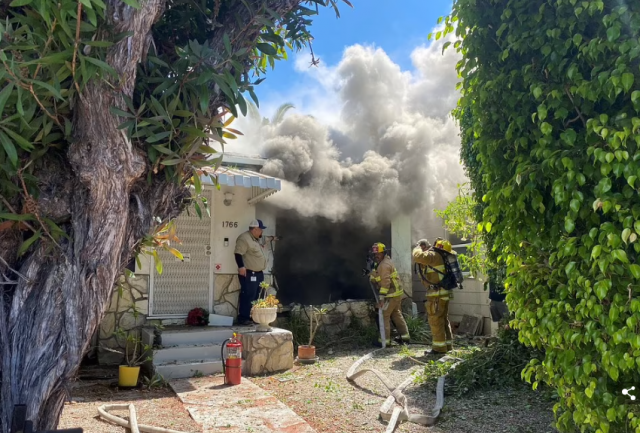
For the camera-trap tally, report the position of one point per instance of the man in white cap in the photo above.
(251, 262)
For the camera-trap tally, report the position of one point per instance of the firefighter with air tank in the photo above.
(440, 273)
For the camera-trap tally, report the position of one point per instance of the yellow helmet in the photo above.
(378, 247)
(443, 245)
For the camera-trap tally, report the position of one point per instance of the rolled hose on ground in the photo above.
(132, 424)
(388, 411)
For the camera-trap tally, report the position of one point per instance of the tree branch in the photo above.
(584, 122)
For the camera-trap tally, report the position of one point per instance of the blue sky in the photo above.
(396, 26)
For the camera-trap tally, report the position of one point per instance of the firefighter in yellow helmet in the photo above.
(431, 269)
(385, 278)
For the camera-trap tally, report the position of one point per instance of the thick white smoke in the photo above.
(389, 146)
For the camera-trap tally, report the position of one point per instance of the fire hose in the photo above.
(388, 411)
(366, 272)
(383, 338)
(132, 424)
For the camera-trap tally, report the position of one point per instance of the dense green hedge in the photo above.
(551, 102)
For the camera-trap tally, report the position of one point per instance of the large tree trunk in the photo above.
(49, 316)
(99, 192)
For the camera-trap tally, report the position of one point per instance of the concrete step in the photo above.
(190, 336)
(168, 355)
(185, 369)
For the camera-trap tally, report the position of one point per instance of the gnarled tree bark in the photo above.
(49, 316)
(98, 192)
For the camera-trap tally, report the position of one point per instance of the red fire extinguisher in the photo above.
(232, 364)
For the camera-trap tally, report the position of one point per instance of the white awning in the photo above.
(262, 186)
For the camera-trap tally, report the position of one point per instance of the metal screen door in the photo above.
(184, 285)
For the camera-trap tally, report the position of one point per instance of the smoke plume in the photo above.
(390, 145)
(374, 142)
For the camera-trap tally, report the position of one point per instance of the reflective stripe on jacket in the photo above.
(385, 277)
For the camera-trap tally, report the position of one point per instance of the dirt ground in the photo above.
(158, 407)
(323, 397)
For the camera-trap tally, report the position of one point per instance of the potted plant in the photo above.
(308, 352)
(198, 317)
(135, 354)
(265, 309)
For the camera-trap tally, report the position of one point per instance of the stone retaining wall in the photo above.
(338, 315)
(127, 311)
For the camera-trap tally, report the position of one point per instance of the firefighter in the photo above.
(431, 269)
(385, 278)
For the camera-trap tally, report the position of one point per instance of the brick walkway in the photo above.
(241, 408)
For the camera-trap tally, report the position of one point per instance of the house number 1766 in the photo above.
(233, 224)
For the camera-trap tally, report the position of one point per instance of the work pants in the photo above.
(394, 312)
(249, 292)
(438, 314)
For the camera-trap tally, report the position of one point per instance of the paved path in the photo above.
(241, 408)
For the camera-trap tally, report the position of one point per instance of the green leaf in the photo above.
(537, 91)
(159, 136)
(17, 3)
(267, 49)
(158, 262)
(16, 217)
(4, 95)
(635, 95)
(119, 112)
(625, 235)
(546, 128)
(595, 253)
(569, 268)
(575, 205)
(26, 244)
(635, 271)
(20, 140)
(604, 185)
(9, 149)
(627, 81)
(488, 227)
(569, 225)
(613, 33)
(602, 288)
(577, 39)
(101, 64)
(227, 43)
(620, 255)
(163, 149)
(134, 4)
(171, 161)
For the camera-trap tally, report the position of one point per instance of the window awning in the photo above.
(262, 186)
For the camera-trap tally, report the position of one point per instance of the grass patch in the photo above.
(356, 334)
(418, 329)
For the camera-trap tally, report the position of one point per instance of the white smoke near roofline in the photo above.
(393, 148)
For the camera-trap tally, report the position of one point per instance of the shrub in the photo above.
(551, 130)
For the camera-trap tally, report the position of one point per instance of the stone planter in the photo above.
(264, 316)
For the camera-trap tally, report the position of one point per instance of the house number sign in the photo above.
(230, 224)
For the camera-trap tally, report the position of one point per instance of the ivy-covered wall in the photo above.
(551, 133)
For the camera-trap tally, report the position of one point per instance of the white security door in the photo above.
(184, 285)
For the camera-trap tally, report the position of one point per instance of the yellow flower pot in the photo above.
(128, 376)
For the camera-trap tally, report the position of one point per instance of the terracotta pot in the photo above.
(264, 316)
(306, 352)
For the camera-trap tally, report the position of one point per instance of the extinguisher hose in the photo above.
(224, 369)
